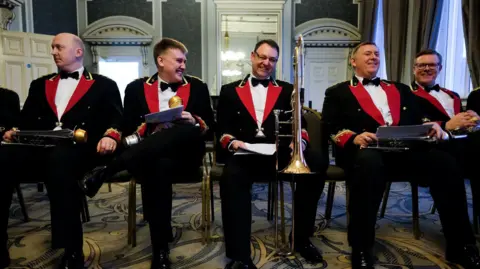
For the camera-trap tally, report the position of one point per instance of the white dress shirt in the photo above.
(259, 97)
(65, 90)
(444, 99)
(164, 96)
(379, 98)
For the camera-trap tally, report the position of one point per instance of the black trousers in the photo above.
(235, 190)
(157, 162)
(59, 168)
(434, 168)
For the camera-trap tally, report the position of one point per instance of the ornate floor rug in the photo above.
(105, 237)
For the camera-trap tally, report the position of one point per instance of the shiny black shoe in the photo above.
(4, 258)
(92, 181)
(362, 259)
(72, 260)
(240, 265)
(161, 261)
(309, 252)
(467, 256)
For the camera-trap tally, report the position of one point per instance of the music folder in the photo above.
(164, 116)
(406, 132)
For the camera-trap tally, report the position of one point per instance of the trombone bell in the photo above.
(297, 164)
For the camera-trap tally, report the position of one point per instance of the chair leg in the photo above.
(212, 200)
(40, 187)
(109, 187)
(330, 197)
(132, 218)
(415, 211)
(475, 207)
(85, 209)
(347, 200)
(269, 202)
(385, 199)
(21, 201)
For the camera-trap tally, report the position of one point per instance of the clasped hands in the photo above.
(366, 138)
(462, 120)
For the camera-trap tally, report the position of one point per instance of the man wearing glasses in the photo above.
(245, 114)
(445, 107)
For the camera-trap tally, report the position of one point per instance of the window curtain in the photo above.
(395, 21)
(368, 19)
(471, 29)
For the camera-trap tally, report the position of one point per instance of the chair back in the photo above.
(316, 131)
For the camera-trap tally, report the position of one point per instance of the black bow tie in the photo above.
(264, 82)
(375, 81)
(65, 75)
(435, 87)
(173, 86)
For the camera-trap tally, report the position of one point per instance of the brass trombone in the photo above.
(297, 164)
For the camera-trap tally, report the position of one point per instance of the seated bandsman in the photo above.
(9, 110)
(444, 107)
(353, 110)
(72, 98)
(245, 114)
(166, 151)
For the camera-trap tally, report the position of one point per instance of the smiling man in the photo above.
(163, 153)
(352, 111)
(245, 114)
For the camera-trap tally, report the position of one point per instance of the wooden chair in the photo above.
(187, 177)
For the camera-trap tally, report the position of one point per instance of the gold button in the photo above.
(238, 112)
(83, 123)
(359, 110)
(404, 108)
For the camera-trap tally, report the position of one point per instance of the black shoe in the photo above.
(467, 257)
(362, 259)
(309, 252)
(72, 260)
(93, 181)
(161, 261)
(4, 258)
(240, 265)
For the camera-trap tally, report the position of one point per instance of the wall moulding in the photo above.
(119, 31)
(327, 32)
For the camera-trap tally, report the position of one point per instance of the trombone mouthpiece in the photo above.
(175, 101)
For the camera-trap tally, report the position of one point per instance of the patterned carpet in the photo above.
(106, 234)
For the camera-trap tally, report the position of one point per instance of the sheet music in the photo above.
(167, 115)
(260, 148)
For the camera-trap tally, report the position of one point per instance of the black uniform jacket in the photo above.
(431, 108)
(141, 98)
(349, 110)
(95, 106)
(236, 117)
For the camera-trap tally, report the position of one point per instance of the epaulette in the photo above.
(341, 82)
(477, 88)
(195, 77)
(47, 76)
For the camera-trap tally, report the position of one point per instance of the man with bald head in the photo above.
(73, 98)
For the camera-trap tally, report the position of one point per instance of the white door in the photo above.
(324, 67)
(122, 69)
(23, 58)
